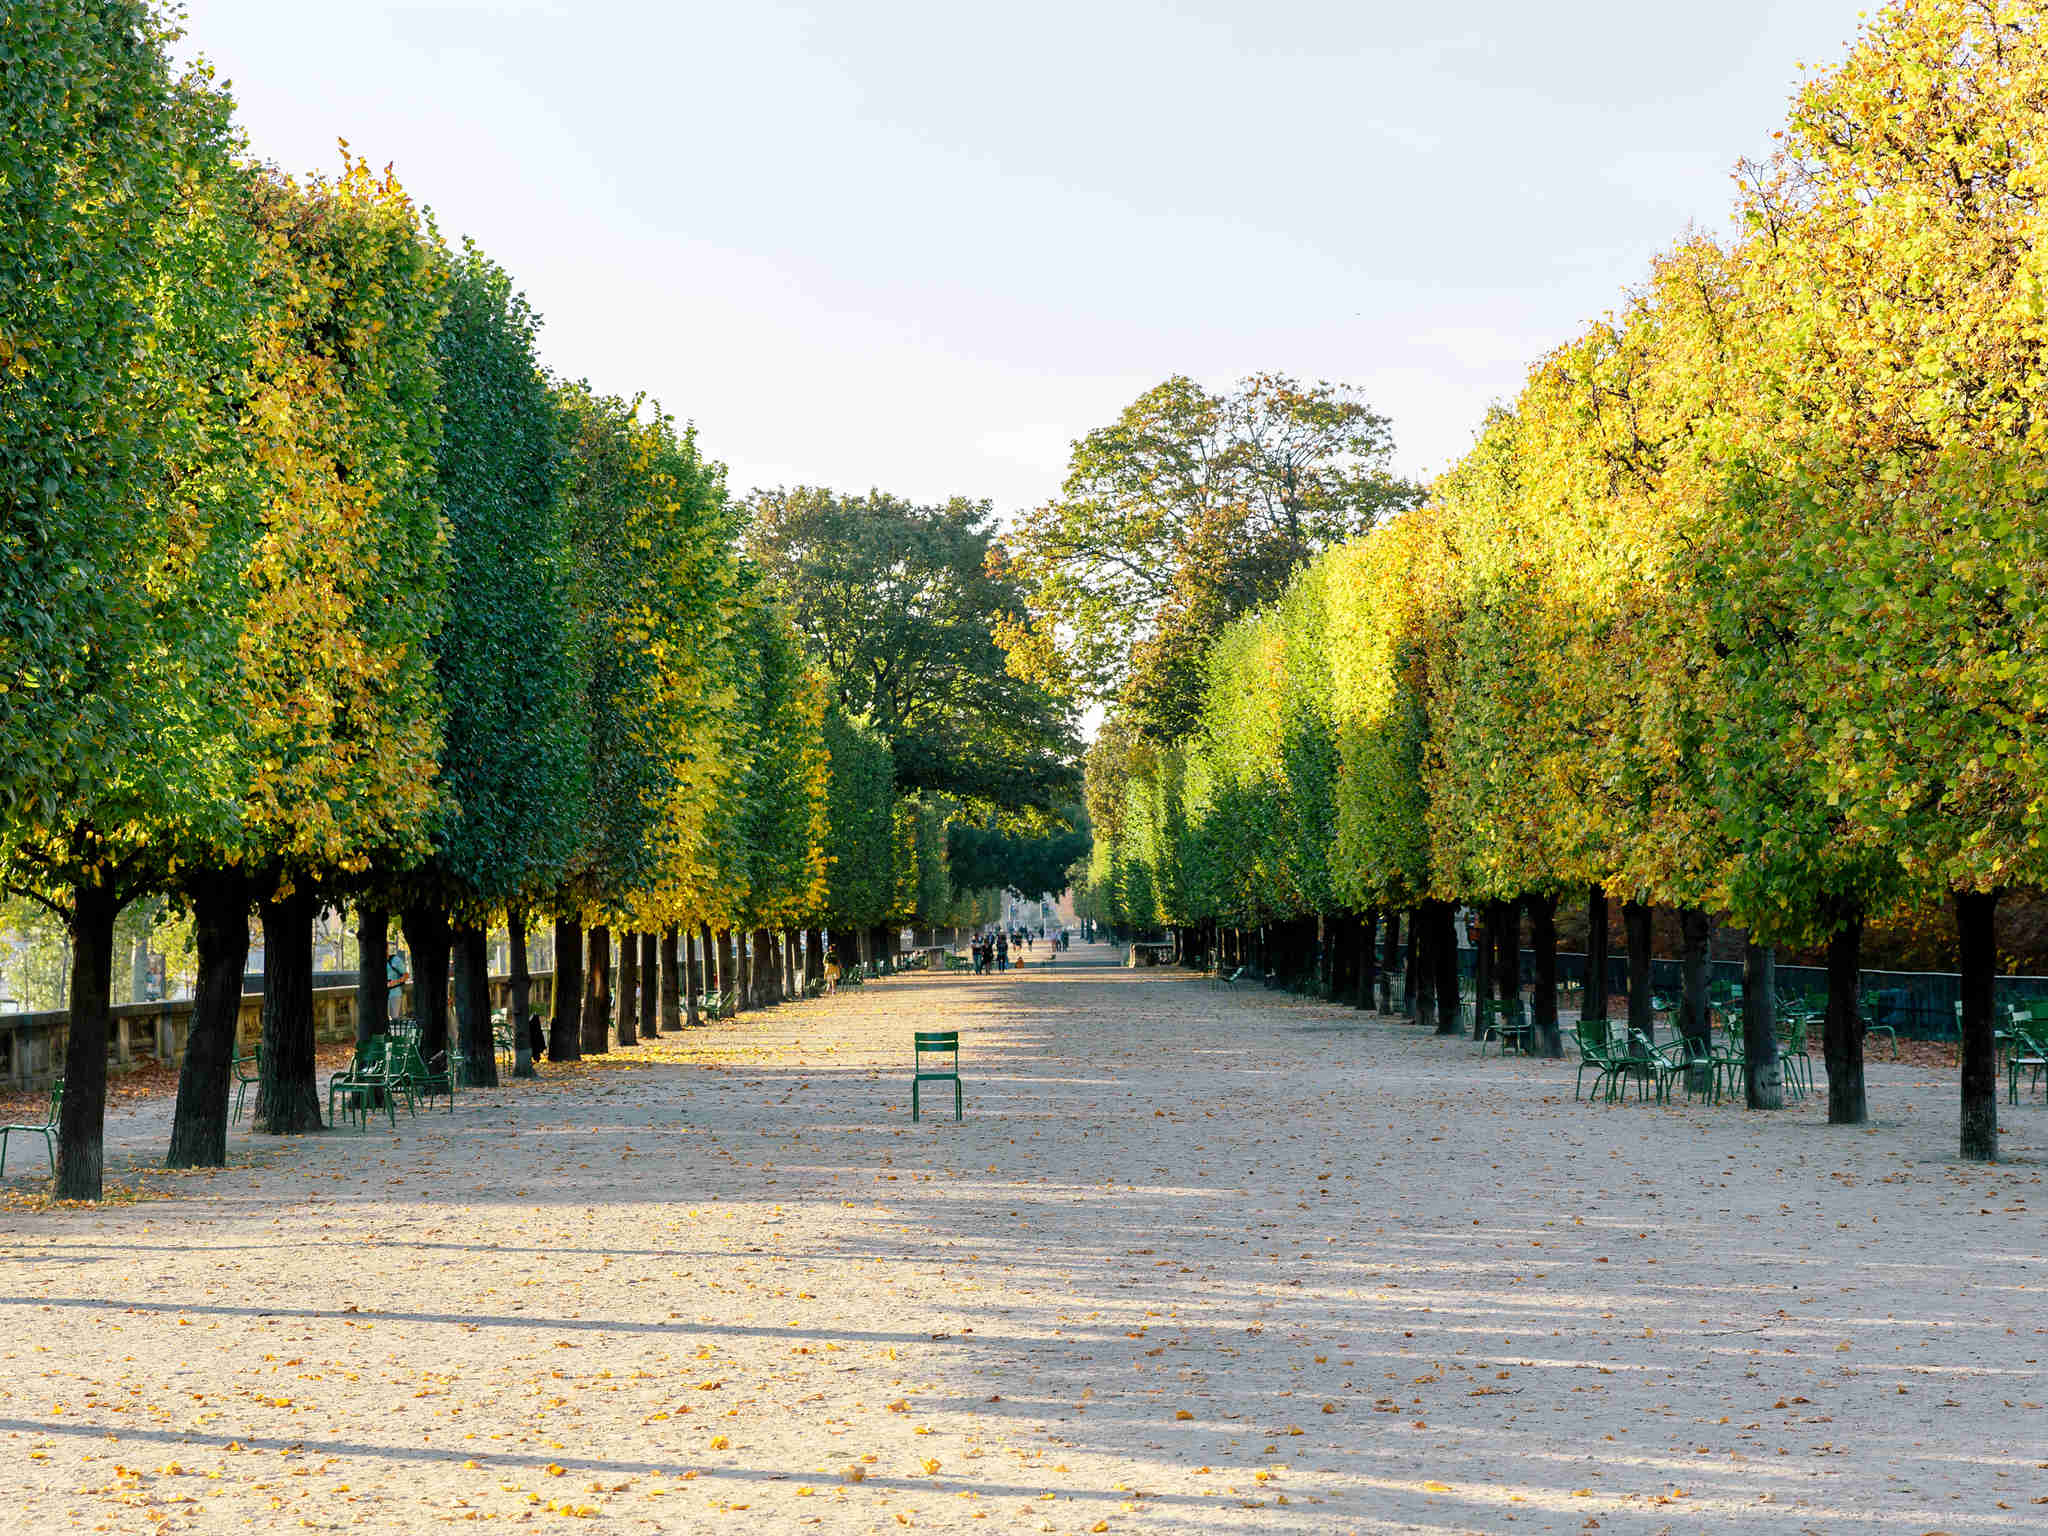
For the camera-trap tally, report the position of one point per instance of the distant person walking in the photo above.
(396, 975)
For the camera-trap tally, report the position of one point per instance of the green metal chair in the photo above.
(935, 1042)
(1591, 1034)
(1507, 1024)
(47, 1129)
(417, 1080)
(361, 1084)
(248, 1069)
(2028, 1052)
(1797, 1066)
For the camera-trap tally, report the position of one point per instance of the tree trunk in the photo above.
(1507, 963)
(728, 976)
(426, 935)
(597, 992)
(1635, 921)
(1543, 940)
(373, 985)
(1842, 1038)
(1368, 958)
(473, 1008)
(1390, 957)
(1482, 981)
(287, 1093)
(703, 966)
(521, 1011)
(628, 998)
(1763, 1075)
(650, 985)
(565, 1025)
(1593, 1002)
(1695, 1022)
(765, 969)
(82, 1118)
(1977, 961)
(672, 970)
(220, 927)
(1447, 1020)
(1408, 969)
(1422, 951)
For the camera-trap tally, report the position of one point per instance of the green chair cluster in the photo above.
(387, 1069)
(1618, 1057)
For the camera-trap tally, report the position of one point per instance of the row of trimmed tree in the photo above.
(320, 589)
(1736, 609)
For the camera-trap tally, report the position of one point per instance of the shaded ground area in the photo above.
(1193, 1260)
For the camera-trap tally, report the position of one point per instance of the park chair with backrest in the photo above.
(1591, 1035)
(1676, 1058)
(2027, 1052)
(935, 1043)
(248, 1069)
(1796, 1065)
(1226, 983)
(362, 1084)
(47, 1129)
(1730, 1059)
(1508, 1024)
(1630, 1057)
(1878, 1009)
(408, 1071)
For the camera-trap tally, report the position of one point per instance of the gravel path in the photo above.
(1194, 1260)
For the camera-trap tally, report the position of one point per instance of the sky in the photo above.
(926, 246)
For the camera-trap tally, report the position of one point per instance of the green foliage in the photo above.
(786, 789)
(859, 817)
(656, 598)
(90, 157)
(900, 605)
(1033, 863)
(513, 765)
(1188, 511)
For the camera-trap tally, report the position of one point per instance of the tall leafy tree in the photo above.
(513, 764)
(901, 605)
(124, 335)
(1191, 509)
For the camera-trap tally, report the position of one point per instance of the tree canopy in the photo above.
(900, 604)
(1191, 509)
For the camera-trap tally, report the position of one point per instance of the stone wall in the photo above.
(32, 1045)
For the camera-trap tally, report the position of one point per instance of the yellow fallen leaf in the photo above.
(1182, 1413)
(553, 1470)
(720, 1443)
(1437, 1487)
(931, 1466)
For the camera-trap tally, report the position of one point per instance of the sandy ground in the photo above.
(1194, 1260)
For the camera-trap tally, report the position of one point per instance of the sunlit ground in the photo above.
(1193, 1260)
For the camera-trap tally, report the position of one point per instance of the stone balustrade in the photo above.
(32, 1045)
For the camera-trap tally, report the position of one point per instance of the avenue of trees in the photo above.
(320, 589)
(1735, 609)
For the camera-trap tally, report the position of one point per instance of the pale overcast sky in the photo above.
(924, 246)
